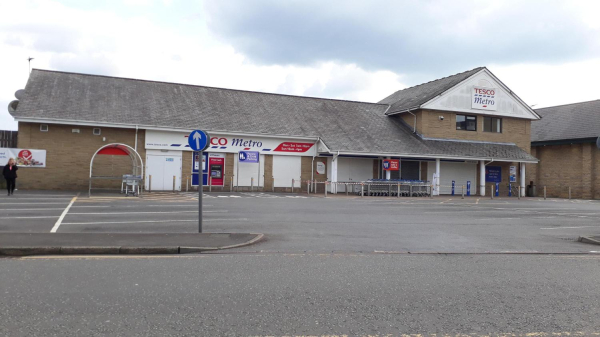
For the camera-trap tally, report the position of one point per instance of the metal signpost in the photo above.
(199, 141)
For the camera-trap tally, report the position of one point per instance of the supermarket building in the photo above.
(467, 128)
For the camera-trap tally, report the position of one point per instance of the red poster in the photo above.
(293, 147)
(391, 165)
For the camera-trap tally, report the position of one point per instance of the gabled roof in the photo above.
(566, 122)
(414, 97)
(346, 126)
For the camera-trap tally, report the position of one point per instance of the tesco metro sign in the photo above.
(483, 98)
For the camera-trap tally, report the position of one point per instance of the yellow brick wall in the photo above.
(514, 130)
(561, 166)
(68, 156)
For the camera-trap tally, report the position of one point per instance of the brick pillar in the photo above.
(587, 187)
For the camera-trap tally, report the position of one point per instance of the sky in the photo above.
(548, 52)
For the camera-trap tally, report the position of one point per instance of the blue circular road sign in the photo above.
(198, 140)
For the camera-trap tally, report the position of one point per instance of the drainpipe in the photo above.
(136, 132)
(415, 126)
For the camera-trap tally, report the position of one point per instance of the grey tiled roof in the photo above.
(571, 121)
(414, 97)
(345, 126)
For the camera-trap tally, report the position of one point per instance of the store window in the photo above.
(492, 124)
(468, 123)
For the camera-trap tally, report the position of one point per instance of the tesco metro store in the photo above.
(465, 128)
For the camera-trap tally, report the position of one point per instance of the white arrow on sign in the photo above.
(197, 138)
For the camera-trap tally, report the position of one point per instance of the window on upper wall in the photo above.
(492, 124)
(468, 123)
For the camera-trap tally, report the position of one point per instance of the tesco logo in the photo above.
(218, 141)
(485, 91)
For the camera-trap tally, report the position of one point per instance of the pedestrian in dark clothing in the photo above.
(10, 174)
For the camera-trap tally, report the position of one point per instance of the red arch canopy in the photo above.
(117, 150)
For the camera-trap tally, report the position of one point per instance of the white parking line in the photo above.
(62, 216)
(37, 203)
(54, 198)
(138, 206)
(569, 227)
(31, 209)
(30, 217)
(196, 211)
(147, 221)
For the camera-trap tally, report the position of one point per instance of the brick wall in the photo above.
(561, 166)
(68, 156)
(514, 130)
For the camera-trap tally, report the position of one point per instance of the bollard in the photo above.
(463, 192)
(430, 191)
(252, 184)
(346, 188)
(292, 185)
(398, 190)
(187, 183)
(308, 187)
(519, 191)
(389, 190)
(231, 185)
(368, 189)
(362, 190)
(544, 192)
(492, 192)
(410, 191)
(173, 184)
(569, 192)
(273, 186)
(210, 184)
(149, 183)
(326, 183)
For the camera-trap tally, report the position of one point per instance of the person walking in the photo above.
(10, 174)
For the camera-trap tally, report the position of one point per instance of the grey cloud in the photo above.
(419, 38)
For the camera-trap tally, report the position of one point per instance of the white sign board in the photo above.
(483, 98)
(320, 167)
(23, 157)
(160, 140)
(513, 174)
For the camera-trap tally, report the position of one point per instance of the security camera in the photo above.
(441, 118)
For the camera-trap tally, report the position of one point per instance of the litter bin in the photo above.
(531, 192)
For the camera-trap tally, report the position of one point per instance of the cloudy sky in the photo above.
(548, 52)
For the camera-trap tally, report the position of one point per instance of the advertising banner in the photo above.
(483, 98)
(513, 174)
(391, 165)
(493, 174)
(23, 157)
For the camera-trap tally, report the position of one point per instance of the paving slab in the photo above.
(18, 244)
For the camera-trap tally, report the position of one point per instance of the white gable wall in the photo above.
(458, 99)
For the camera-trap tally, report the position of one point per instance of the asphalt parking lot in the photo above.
(301, 223)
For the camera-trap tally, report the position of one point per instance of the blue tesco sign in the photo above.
(248, 156)
(493, 174)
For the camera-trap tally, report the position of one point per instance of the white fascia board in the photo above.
(433, 157)
(150, 127)
(321, 142)
(534, 116)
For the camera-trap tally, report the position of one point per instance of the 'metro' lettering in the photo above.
(245, 143)
(481, 100)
